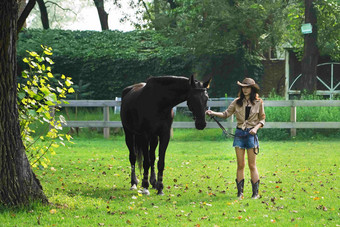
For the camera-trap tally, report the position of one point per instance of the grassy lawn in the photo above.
(88, 185)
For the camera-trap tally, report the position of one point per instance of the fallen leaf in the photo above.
(53, 211)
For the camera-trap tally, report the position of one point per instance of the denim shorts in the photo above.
(243, 139)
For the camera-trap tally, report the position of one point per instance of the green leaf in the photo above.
(51, 97)
(45, 90)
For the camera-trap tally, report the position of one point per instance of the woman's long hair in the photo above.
(253, 96)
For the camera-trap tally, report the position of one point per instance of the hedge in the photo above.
(112, 60)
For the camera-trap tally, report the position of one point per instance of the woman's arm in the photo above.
(227, 113)
(262, 117)
(217, 114)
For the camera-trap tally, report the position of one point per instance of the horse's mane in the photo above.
(166, 80)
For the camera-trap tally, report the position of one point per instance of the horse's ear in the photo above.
(192, 81)
(206, 84)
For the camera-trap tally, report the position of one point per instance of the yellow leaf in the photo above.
(67, 83)
(53, 211)
(47, 52)
(63, 77)
(71, 90)
(50, 75)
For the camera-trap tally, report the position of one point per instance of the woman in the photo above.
(250, 116)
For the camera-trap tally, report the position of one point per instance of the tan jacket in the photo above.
(256, 114)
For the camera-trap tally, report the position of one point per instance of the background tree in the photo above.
(55, 14)
(323, 41)
(253, 28)
(311, 50)
(43, 14)
(18, 183)
(103, 15)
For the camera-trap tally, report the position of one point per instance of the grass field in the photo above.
(88, 185)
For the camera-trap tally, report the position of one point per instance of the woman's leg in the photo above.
(254, 175)
(255, 182)
(240, 155)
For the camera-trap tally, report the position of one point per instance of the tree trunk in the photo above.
(311, 51)
(21, 5)
(43, 14)
(103, 16)
(18, 183)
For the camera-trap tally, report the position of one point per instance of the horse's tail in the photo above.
(139, 152)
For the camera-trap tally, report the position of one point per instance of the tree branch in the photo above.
(146, 9)
(56, 4)
(24, 15)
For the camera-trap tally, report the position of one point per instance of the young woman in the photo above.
(249, 111)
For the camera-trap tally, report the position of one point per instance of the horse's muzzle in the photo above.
(200, 125)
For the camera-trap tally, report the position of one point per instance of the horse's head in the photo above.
(197, 101)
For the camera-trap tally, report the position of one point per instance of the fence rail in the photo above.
(293, 124)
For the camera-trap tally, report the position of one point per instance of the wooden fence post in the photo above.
(293, 119)
(106, 111)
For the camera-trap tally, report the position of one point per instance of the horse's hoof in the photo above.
(144, 191)
(160, 193)
(133, 187)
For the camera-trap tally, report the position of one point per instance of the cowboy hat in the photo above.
(249, 82)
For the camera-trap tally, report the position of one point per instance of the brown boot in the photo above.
(240, 188)
(255, 189)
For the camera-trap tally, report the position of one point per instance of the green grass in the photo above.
(88, 185)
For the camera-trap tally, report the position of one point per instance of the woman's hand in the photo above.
(253, 131)
(208, 112)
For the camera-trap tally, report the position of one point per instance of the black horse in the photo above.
(146, 114)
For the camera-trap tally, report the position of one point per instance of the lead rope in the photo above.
(230, 134)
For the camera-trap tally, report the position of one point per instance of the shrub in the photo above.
(37, 93)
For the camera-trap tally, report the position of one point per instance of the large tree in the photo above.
(18, 183)
(311, 50)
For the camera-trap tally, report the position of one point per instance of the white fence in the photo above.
(230, 124)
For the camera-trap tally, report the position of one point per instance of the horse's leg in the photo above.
(129, 140)
(153, 145)
(144, 142)
(163, 144)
